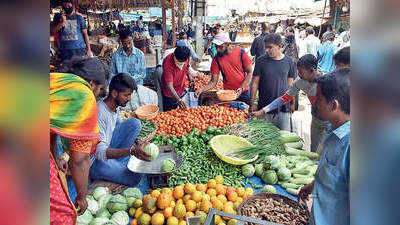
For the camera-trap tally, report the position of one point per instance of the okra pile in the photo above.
(148, 127)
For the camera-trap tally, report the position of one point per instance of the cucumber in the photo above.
(300, 171)
(293, 191)
(290, 137)
(311, 155)
(296, 145)
(295, 175)
(304, 180)
(290, 185)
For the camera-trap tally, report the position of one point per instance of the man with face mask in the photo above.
(73, 36)
(128, 59)
(235, 66)
(118, 138)
(273, 74)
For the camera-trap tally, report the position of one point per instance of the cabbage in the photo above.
(269, 189)
(99, 191)
(92, 206)
(284, 174)
(99, 221)
(89, 197)
(130, 201)
(268, 160)
(104, 200)
(103, 213)
(168, 165)
(269, 177)
(152, 150)
(120, 218)
(133, 192)
(259, 169)
(117, 203)
(85, 218)
(278, 163)
(248, 170)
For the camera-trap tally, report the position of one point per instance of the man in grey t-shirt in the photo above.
(118, 138)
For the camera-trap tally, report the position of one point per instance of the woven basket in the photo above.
(226, 95)
(287, 200)
(147, 112)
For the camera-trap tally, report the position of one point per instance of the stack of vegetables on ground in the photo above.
(105, 208)
(148, 127)
(181, 121)
(172, 206)
(200, 162)
(202, 80)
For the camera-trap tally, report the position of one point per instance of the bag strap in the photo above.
(220, 68)
(241, 59)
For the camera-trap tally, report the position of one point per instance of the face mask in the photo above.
(220, 54)
(68, 10)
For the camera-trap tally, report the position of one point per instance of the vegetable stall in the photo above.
(227, 159)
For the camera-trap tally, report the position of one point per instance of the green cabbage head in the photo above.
(117, 203)
(168, 165)
(269, 177)
(100, 191)
(120, 218)
(248, 170)
(85, 218)
(259, 169)
(103, 213)
(99, 221)
(284, 174)
(152, 150)
(269, 189)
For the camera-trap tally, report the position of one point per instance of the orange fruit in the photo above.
(211, 192)
(232, 222)
(134, 222)
(138, 212)
(164, 200)
(213, 199)
(228, 204)
(168, 212)
(172, 221)
(179, 211)
(218, 205)
(240, 191)
(206, 197)
(167, 191)
(155, 193)
(189, 188)
(182, 222)
(172, 204)
(180, 201)
(229, 210)
(178, 192)
(205, 206)
(201, 187)
(219, 179)
(217, 219)
(191, 206)
(212, 184)
(232, 196)
(222, 198)
(157, 219)
(144, 219)
(186, 198)
(197, 196)
(230, 189)
(239, 199)
(189, 214)
(220, 189)
(236, 205)
(250, 191)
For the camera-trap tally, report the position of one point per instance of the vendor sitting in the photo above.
(118, 138)
(175, 69)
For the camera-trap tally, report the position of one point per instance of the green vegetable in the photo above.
(259, 169)
(269, 189)
(99, 221)
(168, 165)
(148, 127)
(152, 150)
(120, 218)
(300, 175)
(92, 206)
(304, 180)
(293, 191)
(100, 191)
(292, 137)
(313, 169)
(299, 171)
(133, 192)
(269, 177)
(90, 197)
(290, 185)
(85, 218)
(248, 170)
(311, 155)
(103, 213)
(117, 203)
(296, 145)
(284, 174)
(277, 163)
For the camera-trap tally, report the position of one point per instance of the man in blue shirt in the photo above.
(128, 59)
(325, 53)
(331, 185)
(74, 39)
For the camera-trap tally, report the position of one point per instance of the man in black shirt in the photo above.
(273, 74)
(258, 47)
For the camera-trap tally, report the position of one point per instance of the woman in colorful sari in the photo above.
(73, 116)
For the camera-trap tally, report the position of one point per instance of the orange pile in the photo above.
(181, 121)
(174, 205)
(202, 80)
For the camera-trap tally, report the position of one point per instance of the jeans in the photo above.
(115, 170)
(67, 54)
(244, 97)
(319, 130)
(280, 120)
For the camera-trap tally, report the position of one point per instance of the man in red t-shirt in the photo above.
(234, 65)
(175, 69)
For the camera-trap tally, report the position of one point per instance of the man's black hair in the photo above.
(341, 30)
(124, 34)
(275, 39)
(290, 30)
(182, 53)
(308, 61)
(310, 30)
(68, 1)
(265, 26)
(121, 82)
(214, 30)
(336, 86)
(181, 34)
(89, 68)
(140, 17)
(342, 56)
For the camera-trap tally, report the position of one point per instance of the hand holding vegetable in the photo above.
(81, 204)
(305, 192)
(139, 153)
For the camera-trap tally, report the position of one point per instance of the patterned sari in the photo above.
(73, 116)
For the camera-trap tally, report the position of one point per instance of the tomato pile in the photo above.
(181, 121)
(202, 80)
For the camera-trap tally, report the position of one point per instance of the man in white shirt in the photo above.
(312, 42)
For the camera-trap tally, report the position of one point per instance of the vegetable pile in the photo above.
(182, 121)
(277, 211)
(202, 80)
(148, 127)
